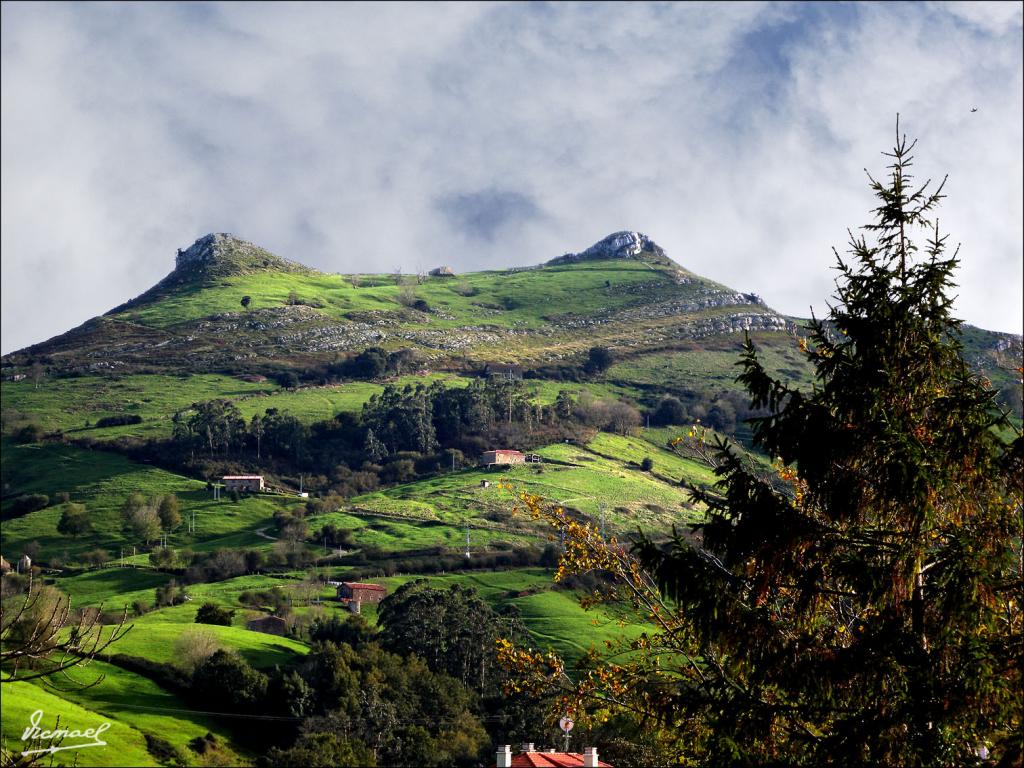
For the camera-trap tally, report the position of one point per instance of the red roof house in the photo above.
(489, 458)
(532, 758)
(356, 593)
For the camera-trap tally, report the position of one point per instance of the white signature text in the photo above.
(35, 732)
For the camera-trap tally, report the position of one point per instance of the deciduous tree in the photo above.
(74, 520)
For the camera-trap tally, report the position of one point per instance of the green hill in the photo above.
(88, 418)
(194, 321)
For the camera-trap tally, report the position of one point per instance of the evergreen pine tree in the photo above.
(861, 604)
(866, 602)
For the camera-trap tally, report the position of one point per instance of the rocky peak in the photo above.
(208, 248)
(621, 245)
(221, 254)
(618, 245)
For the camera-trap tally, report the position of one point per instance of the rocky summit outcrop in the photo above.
(210, 258)
(618, 245)
(221, 253)
(205, 249)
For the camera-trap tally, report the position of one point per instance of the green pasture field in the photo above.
(126, 746)
(67, 404)
(546, 392)
(498, 298)
(708, 370)
(141, 704)
(154, 638)
(311, 404)
(528, 299)
(102, 481)
(667, 465)
(398, 535)
(631, 498)
(554, 617)
(113, 588)
(267, 289)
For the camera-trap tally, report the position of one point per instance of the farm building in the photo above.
(535, 758)
(250, 483)
(5, 567)
(268, 625)
(491, 458)
(443, 271)
(504, 371)
(24, 564)
(356, 593)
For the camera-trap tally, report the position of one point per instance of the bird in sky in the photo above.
(974, 109)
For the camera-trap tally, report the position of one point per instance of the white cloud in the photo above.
(733, 134)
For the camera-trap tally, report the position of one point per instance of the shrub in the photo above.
(647, 464)
(599, 360)
(286, 379)
(194, 646)
(670, 411)
(399, 471)
(29, 502)
(211, 613)
(95, 558)
(30, 433)
(74, 520)
(225, 680)
(117, 421)
(170, 594)
(163, 751)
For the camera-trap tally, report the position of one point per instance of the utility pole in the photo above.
(467, 541)
(602, 519)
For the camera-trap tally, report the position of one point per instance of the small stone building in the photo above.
(443, 271)
(247, 483)
(501, 457)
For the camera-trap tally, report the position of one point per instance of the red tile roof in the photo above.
(551, 760)
(359, 585)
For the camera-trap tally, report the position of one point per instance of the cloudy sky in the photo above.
(370, 137)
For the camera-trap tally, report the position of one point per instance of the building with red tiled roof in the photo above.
(532, 758)
(490, 458)
(355, 593)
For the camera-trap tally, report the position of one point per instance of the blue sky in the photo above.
(370, 137)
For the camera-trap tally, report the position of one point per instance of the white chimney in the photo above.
(590, 757)
(527, 746)
(504, 756)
